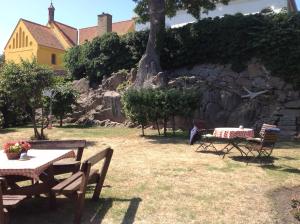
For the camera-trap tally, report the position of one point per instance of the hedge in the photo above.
(273, 39)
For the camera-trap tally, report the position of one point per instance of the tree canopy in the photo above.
(193, 7)
(25, 83)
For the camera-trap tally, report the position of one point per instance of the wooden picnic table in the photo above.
(38, 168)
(233, 137)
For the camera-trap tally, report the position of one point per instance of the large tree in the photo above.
(155, 12)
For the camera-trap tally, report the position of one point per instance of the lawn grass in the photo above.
(157, 179)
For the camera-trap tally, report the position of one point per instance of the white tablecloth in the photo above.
(39, 161)
(233, 133)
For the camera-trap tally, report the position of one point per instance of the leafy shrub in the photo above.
(152, 105)
(273, 39)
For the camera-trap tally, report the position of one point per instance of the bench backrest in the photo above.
(270, 137)
(105, 155)
(63, 144)
(264, 127)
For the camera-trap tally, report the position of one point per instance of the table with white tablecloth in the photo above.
(234, 136)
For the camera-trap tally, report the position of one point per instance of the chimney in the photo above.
(51, 10)
(104, 23)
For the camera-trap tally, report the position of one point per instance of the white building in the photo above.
(234, 6)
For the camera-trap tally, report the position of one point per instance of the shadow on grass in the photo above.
(179, 137)
(219, 153)
(288, 144)
(287, 169)
(75, 126)
(254, 160)
(37, 211)
(8, 130)
(90, 143)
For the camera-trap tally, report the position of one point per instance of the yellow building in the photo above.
(49, 43)
(45, 43)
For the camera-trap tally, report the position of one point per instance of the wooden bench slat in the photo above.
(12, 200)
(62, 144)
(59, 187)
(74, 186)
(66, 162)
(98, 156)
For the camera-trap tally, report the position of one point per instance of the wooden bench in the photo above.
(75, 186)
(65, 165)
(7, 202)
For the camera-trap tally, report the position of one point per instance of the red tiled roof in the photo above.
(90, 33)
(43, 35)
(123, 27)
(70, 33)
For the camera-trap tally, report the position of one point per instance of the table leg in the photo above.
(227, 148)
(236, 145)
(48, 178)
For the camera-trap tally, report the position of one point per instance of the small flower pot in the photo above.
(13, 155)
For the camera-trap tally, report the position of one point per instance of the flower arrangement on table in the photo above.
(13, 150)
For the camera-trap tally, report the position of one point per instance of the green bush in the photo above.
(24, 84)
(154, 105)
(273, 39)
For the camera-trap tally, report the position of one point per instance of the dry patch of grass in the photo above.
(163, 180)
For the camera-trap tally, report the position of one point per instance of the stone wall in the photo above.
(249, 98)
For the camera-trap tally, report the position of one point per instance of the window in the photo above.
(53, 59)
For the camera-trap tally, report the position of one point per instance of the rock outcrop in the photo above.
(100, 106)
(248, 98)
(224, 96)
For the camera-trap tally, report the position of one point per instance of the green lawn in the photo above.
(163, 180)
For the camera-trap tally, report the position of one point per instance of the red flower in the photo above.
(25, 146)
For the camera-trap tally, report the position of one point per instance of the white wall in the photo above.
(235, 6)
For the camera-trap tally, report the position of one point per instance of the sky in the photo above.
(76, 13)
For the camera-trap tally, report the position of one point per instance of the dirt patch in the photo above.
(282, 199)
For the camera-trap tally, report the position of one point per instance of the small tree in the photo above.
(173, 106)
(24, 83)
(136, 106)
(64, 97)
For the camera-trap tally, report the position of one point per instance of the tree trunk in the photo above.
(35, 129)
(143, 132)
(60, 121)
(165, 126)
(173, 124)
(149, 65)
(157, 126)
(42, 128)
